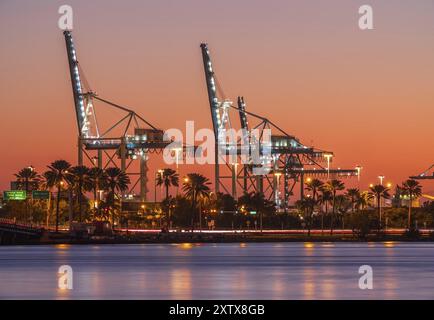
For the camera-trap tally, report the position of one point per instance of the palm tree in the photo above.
(413, 189)
(80, 183)
(196, 187)
(56, 177)
(256, 201)
(342, 206)
(334, 186)
(324, 199)
(117, 182)
(306, 205)
(363, 200)
(168, 178)
(314, 186)
(27, 179)
(380, 191)
(98, 180)
(353, 194)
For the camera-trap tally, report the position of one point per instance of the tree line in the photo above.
(95, 194)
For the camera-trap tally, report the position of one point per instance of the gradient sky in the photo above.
(366, 95)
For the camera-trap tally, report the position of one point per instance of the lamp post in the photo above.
(177, 150)
(328, 156)
(276, 188)
(381, 179)
(359, 169)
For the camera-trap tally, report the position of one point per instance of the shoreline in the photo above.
(164, 238)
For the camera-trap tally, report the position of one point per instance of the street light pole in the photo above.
(328, 157)
(155, 188)
(359, 169)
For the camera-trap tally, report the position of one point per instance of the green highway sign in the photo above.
(40, 195)
(15, 195)
(252, 212)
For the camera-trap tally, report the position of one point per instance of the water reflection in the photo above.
(185, 246)
(180, 284)
(220, 271)
(309, 282)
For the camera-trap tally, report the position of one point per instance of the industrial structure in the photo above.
(261, 154)
(428, 174)
(258, 159)
(128, 139)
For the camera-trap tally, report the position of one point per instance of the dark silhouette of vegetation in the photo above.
(168, 178)
(333, 186)
(57, 176)
(196, 189)
(325, 203)
(412, 189)
(379, 192)
(117, 184)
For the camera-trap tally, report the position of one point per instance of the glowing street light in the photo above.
(328, 156)
(276, 186)
(359, 169)
(177, 151)
(381, 179)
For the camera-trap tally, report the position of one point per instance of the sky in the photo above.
(367, 95)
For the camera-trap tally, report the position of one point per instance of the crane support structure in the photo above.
(130, 138)
(283, 154)
(428, 174)
(77, 90)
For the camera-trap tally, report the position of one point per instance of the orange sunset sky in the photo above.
(366, 95)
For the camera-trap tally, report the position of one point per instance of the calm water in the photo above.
(219, 271)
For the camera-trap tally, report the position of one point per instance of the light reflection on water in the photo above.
(219, 271)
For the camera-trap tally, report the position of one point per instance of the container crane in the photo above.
(130, 138)
(287, 157)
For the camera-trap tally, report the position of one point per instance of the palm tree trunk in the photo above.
(333, 213)
(94, 199)
(57, 208)
(193, 206)
(379, 209)
(80, 213)
(97, 197)
(309, 222)
(322, 216)
(113, 206)
(26, 188)
(409, 213)
(48, 209)
(200, 217)
(169, 216)
(322, 222)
